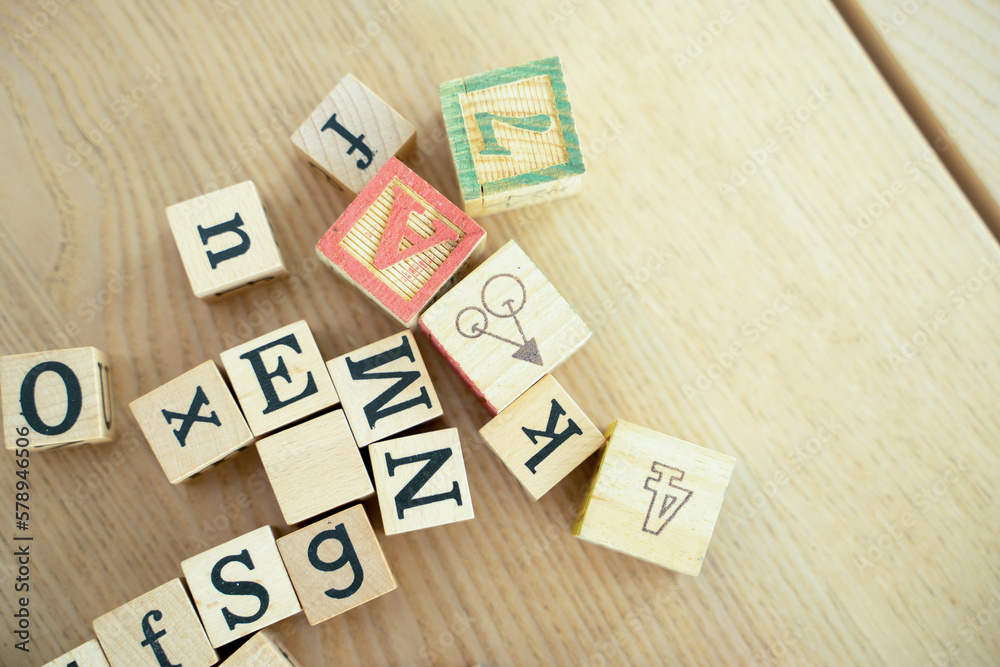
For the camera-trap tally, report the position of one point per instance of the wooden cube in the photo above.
(314, 466)
(420, 481)
(56, 398)
(384, 388)
(512, 136)
(240, 586)
(264, 649)
(336, 564)
(192, 422)
(279, 378)
(542, 436)
(157, 628)
(399, 242)
(225, 240)
(86, 655)
(504, 327)
(655, 497)
(352, 134)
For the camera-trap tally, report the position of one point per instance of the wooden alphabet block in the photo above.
(314, 466)
(85, 655)
(399, 242)
(336, 564)
(279, 378)
(420, 481)
(192, 422)
(384, 388)
(655, 497)
(157, 628)
(225, 240)
(56, 398)
(264, 649)
(240, 586)
(352, 134)
(504, 327)
(542, 436)
(512, 136)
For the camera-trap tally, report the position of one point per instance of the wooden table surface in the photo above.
(861, 524)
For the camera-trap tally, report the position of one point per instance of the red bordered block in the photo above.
(400, 241)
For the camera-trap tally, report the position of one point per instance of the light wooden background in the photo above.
(861, 524)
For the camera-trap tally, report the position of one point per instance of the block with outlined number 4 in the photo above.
(240, 586)
(420, 481)
(56, 398)
(512, 137)
(88, 654)
(542, 436)
(400, 241)
(225, 240)
(655, 497)
(264, 649)
(352, 134)
(192, 422)
(384, 388)
(336, 564)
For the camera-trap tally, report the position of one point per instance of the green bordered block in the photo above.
(512, 136)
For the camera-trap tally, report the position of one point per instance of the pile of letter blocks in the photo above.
(503, 327)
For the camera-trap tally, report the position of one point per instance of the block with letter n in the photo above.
(420, 481)
(513, 138)
(655, 497)
(384, 388)
(89, 654)
(56, 398)
(225, 241)
(400, 241)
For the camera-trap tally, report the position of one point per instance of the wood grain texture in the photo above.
(881, 547)
(88, 654)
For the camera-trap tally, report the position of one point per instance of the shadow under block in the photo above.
(399, 242)
(264, 649)
(157, 628)
(504, 326)
(192, 422)
(655, 497)
(240, 586)
(279, 378)
(336, 564)
(225, 240)
(352, 134)
(384, 388)
(314, 467)
(542, 436)
(513, 138)
(420, 481)
(89, 654)
(56, 398)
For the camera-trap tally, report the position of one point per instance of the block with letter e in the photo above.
(279, 378)
(225, 240)
(352, 134)
(512, 135)
(56, 398)
(240, 586)
(655, 497)
(192, 422)
(89, 654)
(336, 564)
(264, 649)
(420, 481)
(157, 628)
(400, 241)
(384, 388)
(542, 436)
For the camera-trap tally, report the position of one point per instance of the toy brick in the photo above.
(89, 654)
(264, 649)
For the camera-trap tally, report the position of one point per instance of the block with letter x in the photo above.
(512, 137)
(400, 241)
(192, 422)
(420, 481)
(655, 497)
(384, 388)
(225, 240)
